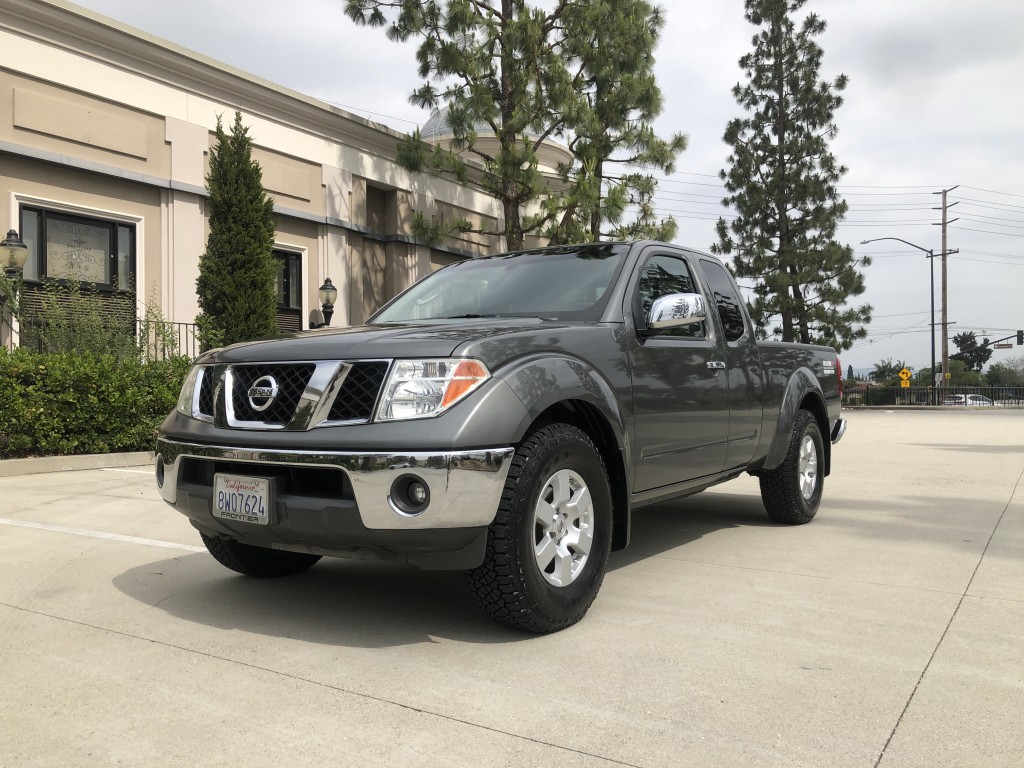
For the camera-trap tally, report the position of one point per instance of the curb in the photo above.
(44, 464)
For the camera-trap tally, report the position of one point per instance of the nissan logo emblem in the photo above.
(262, 393)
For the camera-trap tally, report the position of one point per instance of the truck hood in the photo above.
(428, 339)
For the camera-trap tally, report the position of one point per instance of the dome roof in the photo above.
(437, 126)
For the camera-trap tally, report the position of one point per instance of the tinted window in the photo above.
(728, 302)
(662, 275)
(560, 283)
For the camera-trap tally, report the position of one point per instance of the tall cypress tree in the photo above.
(781, 182)
(237, 272)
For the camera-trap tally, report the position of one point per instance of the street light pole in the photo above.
(931, 293)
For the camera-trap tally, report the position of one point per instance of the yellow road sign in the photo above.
(905, 374)
(905, 383)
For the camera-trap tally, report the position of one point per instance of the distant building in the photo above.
(104, 147)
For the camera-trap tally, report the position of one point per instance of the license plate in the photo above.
(240, 498)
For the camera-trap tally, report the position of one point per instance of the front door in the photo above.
(680, 394)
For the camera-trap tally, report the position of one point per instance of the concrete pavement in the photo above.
(890, 631)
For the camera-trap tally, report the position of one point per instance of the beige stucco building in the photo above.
(105, 134)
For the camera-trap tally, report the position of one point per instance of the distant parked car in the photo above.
(967, 400)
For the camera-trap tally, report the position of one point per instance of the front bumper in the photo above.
(339, 503)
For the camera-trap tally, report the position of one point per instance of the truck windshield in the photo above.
(563, 283)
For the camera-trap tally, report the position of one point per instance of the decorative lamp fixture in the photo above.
(14, 252)
(327, 294)
(13, 255)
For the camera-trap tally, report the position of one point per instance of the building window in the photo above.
(66, 247)
(289, 290)
(377, 201)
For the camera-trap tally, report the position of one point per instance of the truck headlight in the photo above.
(187, 399)
(419, 389)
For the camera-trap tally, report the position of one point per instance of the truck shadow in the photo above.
(663, 527)
(368, 604)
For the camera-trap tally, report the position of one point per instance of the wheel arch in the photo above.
(586, 417)
(803, 393)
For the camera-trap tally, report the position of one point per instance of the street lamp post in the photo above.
(327, 294)
(931, 293)
(13, 255)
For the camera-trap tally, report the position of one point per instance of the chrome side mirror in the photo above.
(676, 309)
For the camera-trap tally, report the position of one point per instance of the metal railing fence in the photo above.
(952, 397)
(154, 339)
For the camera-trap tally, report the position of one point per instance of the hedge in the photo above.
(61, 404)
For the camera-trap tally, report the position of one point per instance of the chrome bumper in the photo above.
(838, 430)
(465, 486)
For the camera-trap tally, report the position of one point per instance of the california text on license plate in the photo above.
(246, 499)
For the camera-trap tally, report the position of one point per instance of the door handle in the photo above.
(716, 365)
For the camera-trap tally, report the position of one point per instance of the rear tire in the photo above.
(259, 562)
(547, 549)
(792, 492)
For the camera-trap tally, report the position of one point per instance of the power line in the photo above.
(1008, 207)
(993, 191)
(976, 218)
(986, 231)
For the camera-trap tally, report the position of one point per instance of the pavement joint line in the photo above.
(328, 686)
(100, 535)
(960, 602)
(820, 577)
(129, 471)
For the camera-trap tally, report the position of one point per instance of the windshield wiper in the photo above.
(469, 316)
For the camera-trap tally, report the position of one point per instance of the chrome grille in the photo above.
(358, 394)
(291, 380)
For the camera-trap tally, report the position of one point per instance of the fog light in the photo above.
(417, 492)
(159, 472)
(409, 495)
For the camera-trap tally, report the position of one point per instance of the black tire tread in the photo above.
(499, 583)
(780, 489)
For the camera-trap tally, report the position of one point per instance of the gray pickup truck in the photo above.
(504, 416)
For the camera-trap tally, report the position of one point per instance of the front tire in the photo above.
(792, 492)
(547, 549)
(260, 562)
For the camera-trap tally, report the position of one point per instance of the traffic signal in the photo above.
(1020, 338)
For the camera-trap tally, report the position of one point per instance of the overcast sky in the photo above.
(935, 100)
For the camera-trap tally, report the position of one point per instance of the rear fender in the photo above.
(803, 392)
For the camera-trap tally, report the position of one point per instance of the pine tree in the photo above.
(611, 44)
(237, 272)
(781, 183)
(476, 52)
(523, 73)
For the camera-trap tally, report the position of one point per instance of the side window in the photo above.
(662, 275)
(725, 297)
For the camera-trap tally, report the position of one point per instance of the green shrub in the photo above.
(74, 403)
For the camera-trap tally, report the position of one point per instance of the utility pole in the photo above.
(945, 287)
